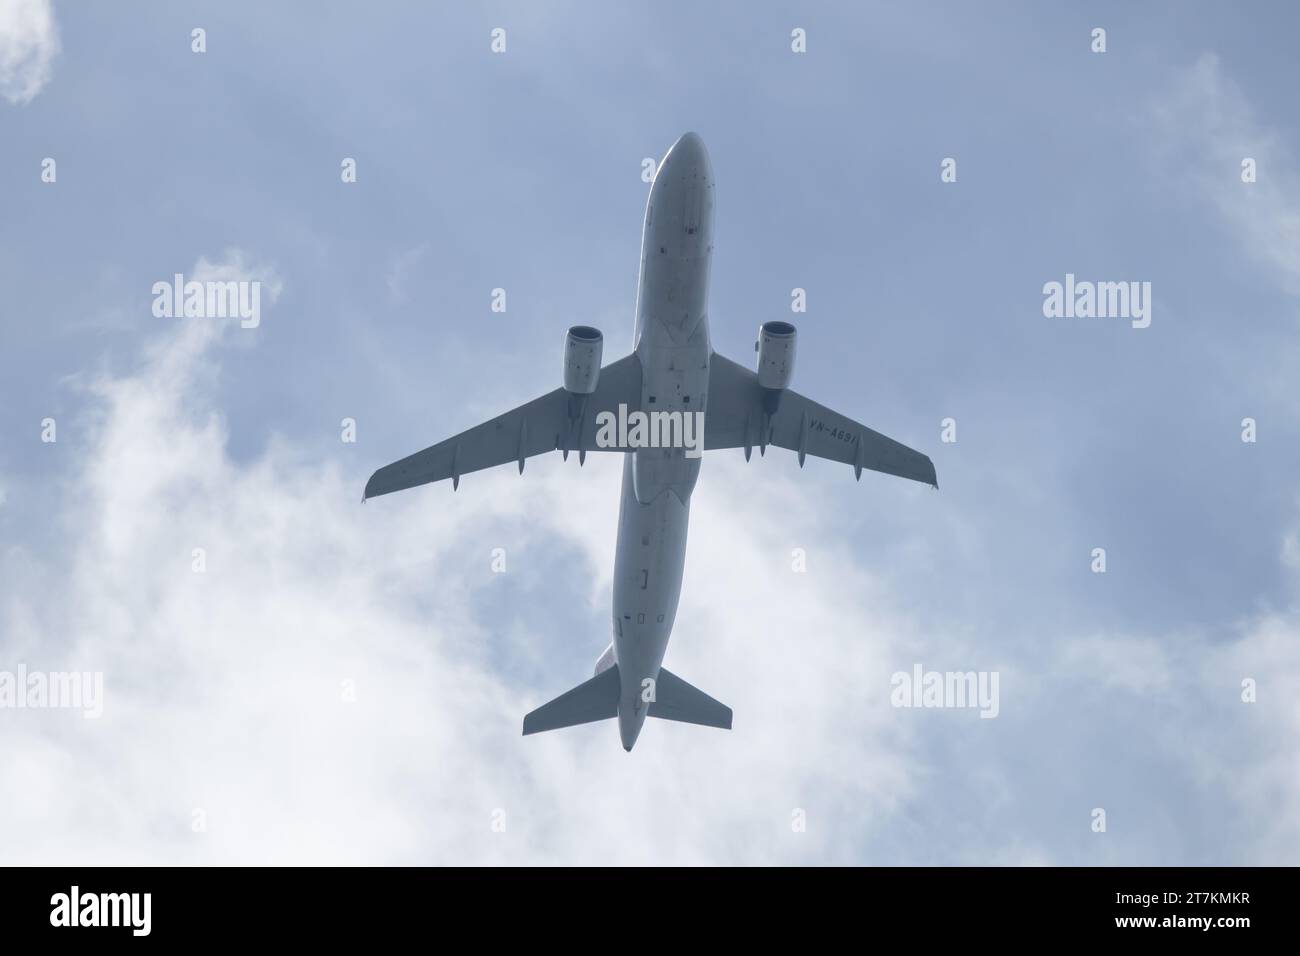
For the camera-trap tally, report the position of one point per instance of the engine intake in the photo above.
(582, 349)
(775, 348)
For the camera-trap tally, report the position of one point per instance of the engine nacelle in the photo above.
(775, 348)
(582, 349)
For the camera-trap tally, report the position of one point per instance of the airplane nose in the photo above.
(690, 142)
(682, 194)
(689, 152)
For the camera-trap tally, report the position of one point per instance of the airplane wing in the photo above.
(556, 420)
(738, 416)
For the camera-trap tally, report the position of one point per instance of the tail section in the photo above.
(596, 699)
(677, 700)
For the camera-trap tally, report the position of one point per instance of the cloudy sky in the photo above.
(345, 683)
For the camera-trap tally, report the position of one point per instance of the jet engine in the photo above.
(582, 348)
(775, 348)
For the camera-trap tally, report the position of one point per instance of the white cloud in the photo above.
(1205, 127)
(29, 41)
(1137, 665)
(235, 265)
(223, 689)
(1179, 700)
(1266, 784)
(400, 270)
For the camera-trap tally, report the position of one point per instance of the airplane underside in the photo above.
(672, 377)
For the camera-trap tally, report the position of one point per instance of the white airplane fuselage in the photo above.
(672, 343)
(651, 407)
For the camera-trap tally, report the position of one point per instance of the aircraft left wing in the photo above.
(557, 420)
(739, 415)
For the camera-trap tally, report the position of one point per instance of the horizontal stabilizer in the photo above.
(596, 699)
(677, 700)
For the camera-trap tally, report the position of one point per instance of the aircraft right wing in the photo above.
(557, 420)
(739, 416)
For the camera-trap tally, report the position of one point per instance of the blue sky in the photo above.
(521, 171)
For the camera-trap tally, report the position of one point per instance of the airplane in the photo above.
(672, 369)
